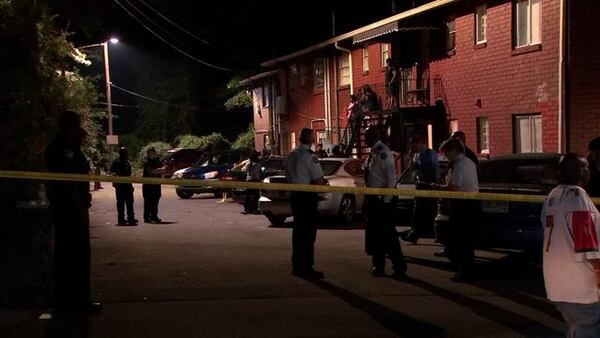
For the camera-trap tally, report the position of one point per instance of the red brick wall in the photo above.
(261, 118)
(583, 74)
(507, 84)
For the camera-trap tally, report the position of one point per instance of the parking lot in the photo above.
(209, 271)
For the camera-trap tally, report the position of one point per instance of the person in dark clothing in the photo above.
(470, 154)
(462, 176)
(303, 167)
(426, 168)
(153, 167)
(321, 153)
(253, 174)
(368, 99)
(392, 84)
(124, 191)
(69, 204)
(593, 158)
(381, 237)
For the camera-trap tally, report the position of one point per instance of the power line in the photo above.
(154, 23)
(171, 45)
(118, 105)
(174, 23)
(141, 96)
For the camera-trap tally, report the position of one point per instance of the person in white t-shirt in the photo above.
(571, 252)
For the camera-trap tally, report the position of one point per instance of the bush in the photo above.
(161, 149)
(245, 140)
(188, 141)
(214, 141)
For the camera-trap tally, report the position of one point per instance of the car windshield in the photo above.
(330, 167)
(543, 172)
(274, 165)
(212, 159)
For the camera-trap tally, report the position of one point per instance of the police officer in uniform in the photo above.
(304, 168)
(381, 237)
(124, 191)
(153, 167)
(69, 204)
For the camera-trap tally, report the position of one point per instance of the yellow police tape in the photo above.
(46, 176)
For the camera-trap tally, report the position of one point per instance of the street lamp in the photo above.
(104, 45)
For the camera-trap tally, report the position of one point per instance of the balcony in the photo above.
(411, 91)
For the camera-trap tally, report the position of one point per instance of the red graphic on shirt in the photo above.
(584, 232)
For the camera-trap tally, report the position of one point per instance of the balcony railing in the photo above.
(409, 91)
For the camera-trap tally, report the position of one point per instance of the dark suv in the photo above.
(178, 158)
(209, 167)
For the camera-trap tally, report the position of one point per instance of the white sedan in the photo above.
(343, 172)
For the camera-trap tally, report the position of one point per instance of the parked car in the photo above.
(176, 159)
(209, 167)
(513, 225)
(343, 172)
(271, 166)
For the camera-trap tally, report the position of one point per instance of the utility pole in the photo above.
(108, 89)
(333, 22)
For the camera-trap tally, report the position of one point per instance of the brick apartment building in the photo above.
(516, 76)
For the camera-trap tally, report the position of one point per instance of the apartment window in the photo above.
(303, 75)
(365, 59)
(344, 69)
(528, 134)
(451, 37)
(266, 94)
(527, 22)
(293, 140)
(385, 53)
(481, 24)
(318, 75)
(483, 135)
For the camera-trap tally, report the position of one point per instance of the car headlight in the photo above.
(212, 174)
(177, 175)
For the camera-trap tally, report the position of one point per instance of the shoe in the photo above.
(122, 223)
(377, 272)
(156, 221)
(399, 275)
(244, 213)
(133, 222)
(309, 274)
(442, 253)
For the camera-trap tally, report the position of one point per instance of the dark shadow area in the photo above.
(164, 223)
(512, 277)
(325, 223)
(509, 319)
(68, 326)
(394, 321)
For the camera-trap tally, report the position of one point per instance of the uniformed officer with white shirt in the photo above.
(303, 168)
(462, 176)
(571, 249)
(381, 237)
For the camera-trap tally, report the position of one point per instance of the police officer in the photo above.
(304, 168)
(381, 238)
(69, 204)
(124, 191)
(153, 167)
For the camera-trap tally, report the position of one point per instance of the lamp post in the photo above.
(104, 45)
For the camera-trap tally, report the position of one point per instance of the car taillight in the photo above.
(226, 177)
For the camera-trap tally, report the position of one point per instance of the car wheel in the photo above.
(347, 209)
(184, 195)
(276, 220)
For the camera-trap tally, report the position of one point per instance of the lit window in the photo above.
(527, 22)
(318, 75)
(483, 135)
(453, 126)
(385, 53)
(451, 37)
(293, 140)
(344, 69)
(365, 59)
(528, 134)
(481, 24)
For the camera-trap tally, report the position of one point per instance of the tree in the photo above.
(241, 99)
(160, 147)
(245, 140)
(214, 141)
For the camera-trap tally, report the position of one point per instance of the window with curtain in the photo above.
(527, 22)
(344, 69)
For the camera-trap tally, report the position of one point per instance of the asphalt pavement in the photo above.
(210, 271)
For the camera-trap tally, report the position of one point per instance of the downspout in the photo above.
(336, 99)
(327, 100)
(562, 70)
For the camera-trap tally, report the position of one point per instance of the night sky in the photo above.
(239, 35)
